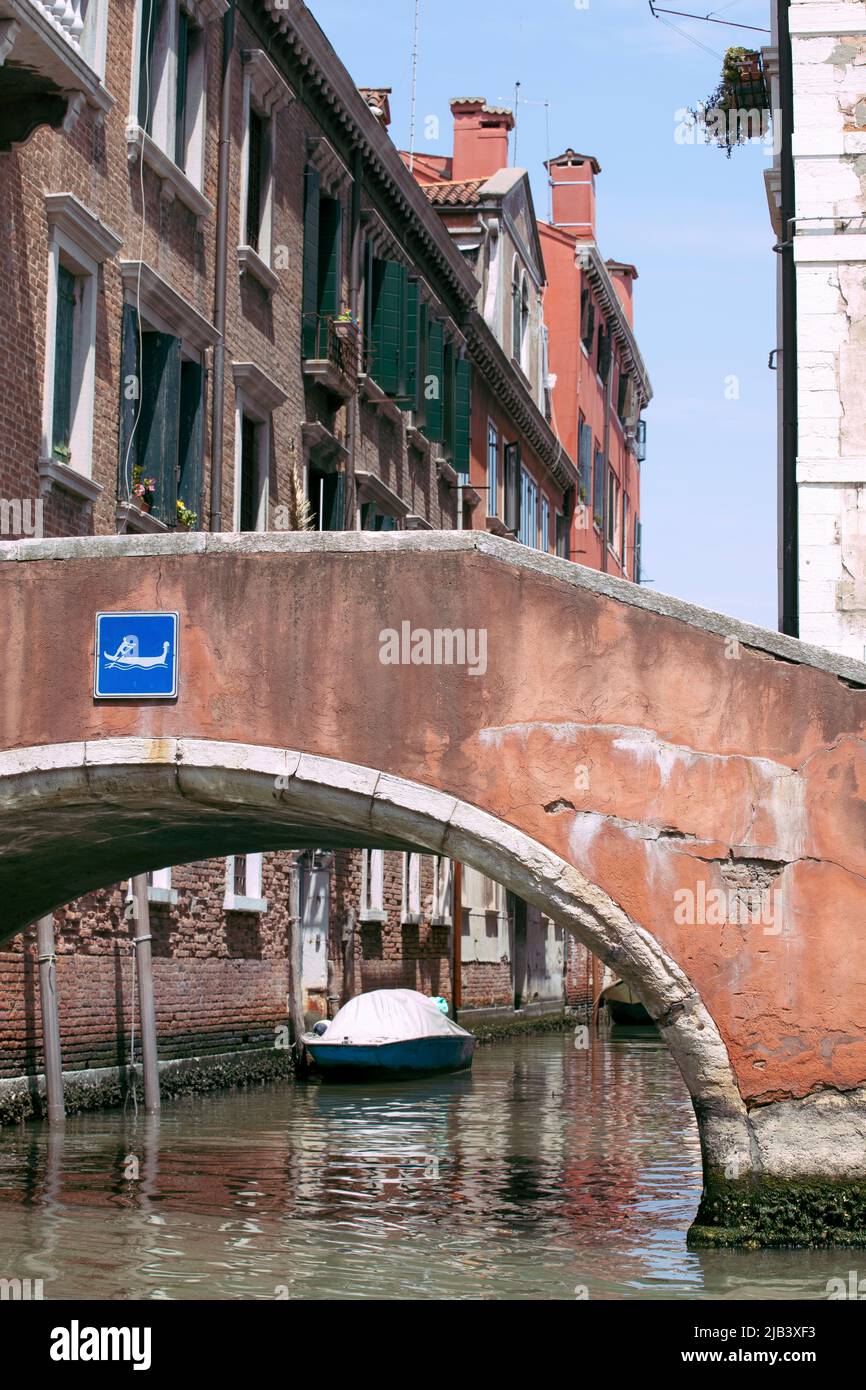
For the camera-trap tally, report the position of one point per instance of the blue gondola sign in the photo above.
(135, 656)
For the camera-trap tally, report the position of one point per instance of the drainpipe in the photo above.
(608, 388)
(221, 258)
(349, 509)
(456, 939)
(789, 508)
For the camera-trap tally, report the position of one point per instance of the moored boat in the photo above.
(623, 1005)
(388, 1034)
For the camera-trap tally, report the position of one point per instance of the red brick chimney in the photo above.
(573, 179)
(624, 276)
(480, 138)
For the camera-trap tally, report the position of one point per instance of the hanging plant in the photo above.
(739, 108)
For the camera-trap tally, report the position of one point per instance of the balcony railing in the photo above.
(336, 341)
(65, 16)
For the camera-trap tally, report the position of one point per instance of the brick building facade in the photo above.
(227, 304)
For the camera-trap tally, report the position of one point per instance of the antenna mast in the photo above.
(414, 85)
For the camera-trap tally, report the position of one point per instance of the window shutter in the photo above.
(146, 77)
(130, 402)
(598, 489)
(160, 418)
(310, 292)
(463, 417)
(330, 260)
(448, 414)
(413, 346)
(435, 381)
(512, 487)
(604, 353)
(191, 437)
(63, 347)
(390, 293)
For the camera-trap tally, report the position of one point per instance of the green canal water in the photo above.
(549, 1172)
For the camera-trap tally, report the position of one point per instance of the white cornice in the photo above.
(149, 291)
(69, 215)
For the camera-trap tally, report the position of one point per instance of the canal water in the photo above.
(550, 1172)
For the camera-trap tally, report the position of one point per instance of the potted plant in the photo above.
(186, 519)
(143, 489)
(727, 115)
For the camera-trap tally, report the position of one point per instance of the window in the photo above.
(373, 886)
(492, 469)
(411, 913)
(162, 417)
(516, 330)
(623, 395)
(587, 321)
(250, 501)
(524, 323)
(91, 40)
(326, 496)
(624, 549)
(528, 532)
(638, 537)
(613, 492)
(584, 459)
(243, 891)
(265, 94)
(598, 488)
(443, 878)
(512, 487)
(323, 265)
(78, 244)
(171, 83)
(562, 547)
(545, 525)
(605, 348)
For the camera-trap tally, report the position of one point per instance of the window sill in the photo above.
(378, 399)
(54, 474)
(372, 915)
(134, 519)
(412, 919)
(446, 473)
(162, 896)
(416, 440)
(321, 372)
(250, 263)
(173, 181)
(416, 523)
(442, 921)
(496, 526)
(234, 903)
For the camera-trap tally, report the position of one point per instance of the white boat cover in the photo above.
(390, 1015)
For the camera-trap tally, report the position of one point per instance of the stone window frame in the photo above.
(81, 243)
(411, 913)
(443, 891)
(257, 396)
(252, 900)
(157, 150)
(373, 886)
(266, 92)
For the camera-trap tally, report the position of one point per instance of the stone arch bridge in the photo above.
(681, 791)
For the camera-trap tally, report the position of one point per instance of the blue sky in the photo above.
(693, 222)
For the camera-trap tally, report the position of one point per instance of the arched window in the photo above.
(516, 330)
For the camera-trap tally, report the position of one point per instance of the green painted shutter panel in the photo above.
(448, 412)
(463, 416)
(390, 290)
(435, 381)
(130, 390)
(413, 345)
(330, 244)
(146, 80)
(160, 419)
(190, 454)
(63, 347)
(310, 293)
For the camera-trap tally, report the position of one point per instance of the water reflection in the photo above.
(545, 1170)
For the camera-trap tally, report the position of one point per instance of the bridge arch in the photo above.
(96, 812)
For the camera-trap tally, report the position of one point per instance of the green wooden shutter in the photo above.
(413, 346)
(435, 381)
(160, 419)
(130, 402)
(146, 79)
(191, 437)
(463, 416)
(390, 293)
(63, 348)
(330, 260)
(310, 293)
(448, 411)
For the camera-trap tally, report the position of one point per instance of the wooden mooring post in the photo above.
(47, 961)
(146, 1005)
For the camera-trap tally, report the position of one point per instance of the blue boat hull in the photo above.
(414, 1057)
